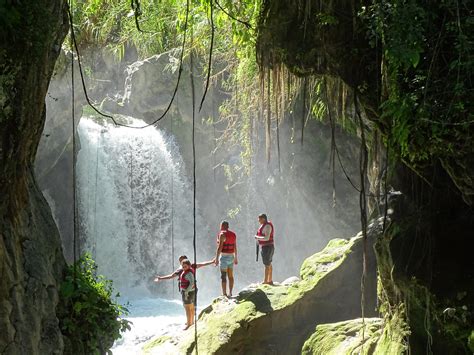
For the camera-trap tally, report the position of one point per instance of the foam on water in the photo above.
(150, 317)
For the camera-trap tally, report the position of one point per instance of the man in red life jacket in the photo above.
(265, 240)
(226, 256)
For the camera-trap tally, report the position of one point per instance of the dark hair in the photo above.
(263, 215)
(182, 257)
(186, 261)
(225, 224)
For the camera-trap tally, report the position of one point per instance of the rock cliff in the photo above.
(31, 260)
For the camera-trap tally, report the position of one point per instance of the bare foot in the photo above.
(187, 327)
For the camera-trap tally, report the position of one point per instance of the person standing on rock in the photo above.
(226, 256)
(264, 237)
(186, 285)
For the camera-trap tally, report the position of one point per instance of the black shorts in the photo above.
(190, 299)
(267, 254)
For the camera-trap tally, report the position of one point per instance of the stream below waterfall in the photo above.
(149, 317)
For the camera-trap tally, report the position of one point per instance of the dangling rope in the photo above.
(73, 113)
(363, 208)
(172, 210)
(303, 110)
(332, 155)
(99, 137)
(211, 48)
(132, 213)
(191, 74)
(89, 102)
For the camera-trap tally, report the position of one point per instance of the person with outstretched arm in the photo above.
(186, 285)
(226, 256)
(179, 270)
(264, 237)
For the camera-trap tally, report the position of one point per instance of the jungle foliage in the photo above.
(90, 316)
(428, 56)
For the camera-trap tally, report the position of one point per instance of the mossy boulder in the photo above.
(357, 336)
(280, 318)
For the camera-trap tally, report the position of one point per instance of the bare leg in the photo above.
(268, 274)
(187, 308)
(191, 311)
(224, 282)
(230, 273)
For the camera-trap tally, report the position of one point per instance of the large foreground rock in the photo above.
(371, 336)
(279, 319)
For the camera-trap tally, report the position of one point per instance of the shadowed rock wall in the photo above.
(31, 261)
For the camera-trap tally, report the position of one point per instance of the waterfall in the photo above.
(132, 192)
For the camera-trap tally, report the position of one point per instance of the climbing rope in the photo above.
(99, 138)
(73, 113)
(191, 74)
(172, 210)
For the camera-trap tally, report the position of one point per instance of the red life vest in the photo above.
(229, 243)
(260, 234)
(183, 282)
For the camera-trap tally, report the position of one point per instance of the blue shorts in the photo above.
(226, 261)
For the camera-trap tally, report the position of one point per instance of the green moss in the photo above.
(393, 339)
(344, 337)
(353, 337)
(155, 342)
(223, 319)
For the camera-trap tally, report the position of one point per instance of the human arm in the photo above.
(236, 261)
(205, 263)
(167, 277)
(267, 231)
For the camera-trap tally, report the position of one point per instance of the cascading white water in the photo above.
(131, 192)
(133, 197)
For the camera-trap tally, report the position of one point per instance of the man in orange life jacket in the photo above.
(265, 240)
(226, 256)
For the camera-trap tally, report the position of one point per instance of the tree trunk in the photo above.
(31, 259)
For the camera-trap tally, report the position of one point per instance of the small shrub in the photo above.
(89, 315)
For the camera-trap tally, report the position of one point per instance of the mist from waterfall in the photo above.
(134, 203)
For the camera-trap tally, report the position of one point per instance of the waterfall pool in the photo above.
(150, 317)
